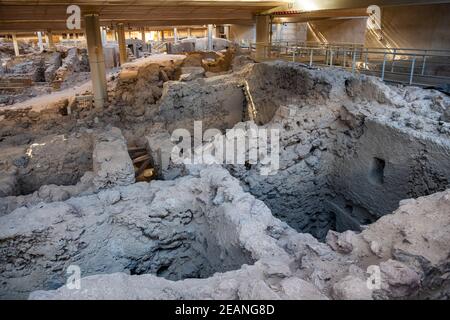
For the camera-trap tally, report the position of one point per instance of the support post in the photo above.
(103, 33)
(122, 44)
(189, 33)
(413, 66)
(270, 31)
(354, 61)
(175, 35)
(345, 58)
(262, 35)
(96, 59)
(50, 43)
(367, 60)
(424, 63)
(40, 43)
(15, 44)
(227, 32)
(145, 47)
(210, 37)
(278, 32)
(384, 67)
(393, 60)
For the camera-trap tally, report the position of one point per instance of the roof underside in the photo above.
(37, 15)
(34, 15)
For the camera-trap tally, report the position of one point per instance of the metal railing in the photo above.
(159, 46)
(402, 65)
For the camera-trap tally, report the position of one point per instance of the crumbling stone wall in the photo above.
(109, 165)
(54, 160)
(139, 86)
(346, 144)
(136, 229)
(218, 102)
(336, 270)
(335, 173)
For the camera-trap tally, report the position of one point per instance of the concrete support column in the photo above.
(262, 35)
(50, 43)
(210, 37)
(270, 31)
(145, 48)
(15, 44)
(189, 33)
(122, 43)
(175, 35)
(96, 59)
(40, 43)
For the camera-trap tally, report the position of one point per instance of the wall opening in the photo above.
(376, 173)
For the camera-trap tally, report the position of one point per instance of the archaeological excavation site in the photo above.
(225, 150)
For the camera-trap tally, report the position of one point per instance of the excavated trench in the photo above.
(338, 171)
(58, 160)
(172, 238)
(339, 190)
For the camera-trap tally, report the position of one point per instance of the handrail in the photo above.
(343, 45)
(364, 59)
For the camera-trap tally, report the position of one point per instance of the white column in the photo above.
(210, 37)
(175, 35)
(103, 34)
(50, 43)
(40, 43)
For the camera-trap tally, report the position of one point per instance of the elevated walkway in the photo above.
(398, 65)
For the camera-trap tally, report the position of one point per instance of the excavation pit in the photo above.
(53, 160)
(139, 229)
(59, 161)
(344, 164)
(351, 180)
(350, 149)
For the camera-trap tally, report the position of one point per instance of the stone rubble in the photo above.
(351, 149)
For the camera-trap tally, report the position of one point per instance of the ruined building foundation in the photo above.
(362, 180)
